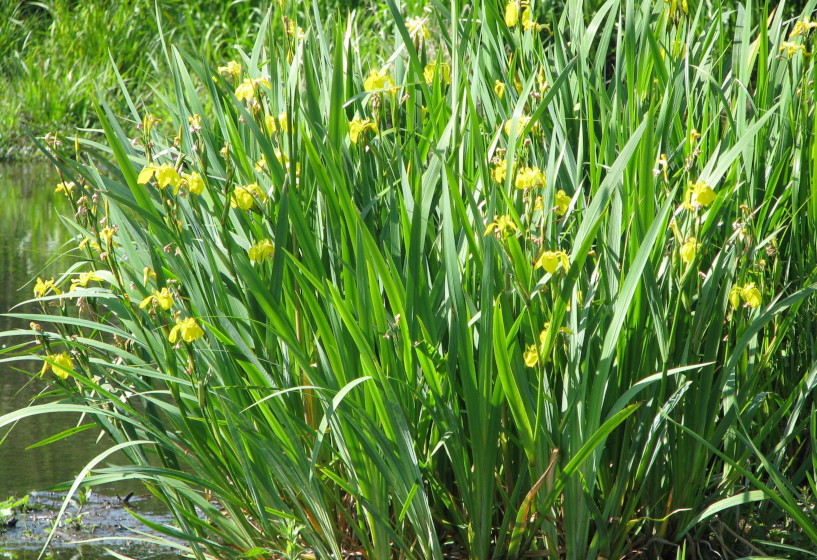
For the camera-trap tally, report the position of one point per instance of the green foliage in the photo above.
(8, 509)
(344, 303)
(55, 55)
(11, 505)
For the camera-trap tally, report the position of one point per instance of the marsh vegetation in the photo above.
(477, 280)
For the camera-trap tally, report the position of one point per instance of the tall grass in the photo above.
(56, 54)
(391, 347)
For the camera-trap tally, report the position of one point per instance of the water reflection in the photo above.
(33, 242)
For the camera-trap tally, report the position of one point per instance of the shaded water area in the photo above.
(34, 242)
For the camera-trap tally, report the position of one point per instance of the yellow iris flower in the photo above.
(802, 27)
(188, 328)
(246, 90)
(734, 297)
(274, 125)
(523, 122)
(531, 356)
(503, 226)
(165, 175)
(41, 288)
(689, 249)
(749, 293)
(163, 297)
(792, 48)
(697, 195)
(107, 234)
(378, 80)
(62, 367)
(146, 174)
(193, 181)
(358, 127)
(232, 69)
(529, 23)
(84, 278)
(512, 13)
(499, 88)
(529, 178)
(244, 196)
(295, 31)
(562, 202)
(66, 188)
(431, 70)
(550, 260)
(532, 353)
(88, 241)
(262, 251)
(500, 171)
(261, 164)
(417, 28)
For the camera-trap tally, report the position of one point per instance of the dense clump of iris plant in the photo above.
(521, 281)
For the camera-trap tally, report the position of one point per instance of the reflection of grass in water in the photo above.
(32, 238)
(30, 199)
(32, 243)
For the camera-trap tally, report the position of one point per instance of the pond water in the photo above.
(31, 244)
(34, 242)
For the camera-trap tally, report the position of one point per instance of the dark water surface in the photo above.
(34, 242)
(32, 238)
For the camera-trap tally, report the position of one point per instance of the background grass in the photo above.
(403, 380)
(56, 55)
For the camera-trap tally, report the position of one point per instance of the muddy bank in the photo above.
(25, 525)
